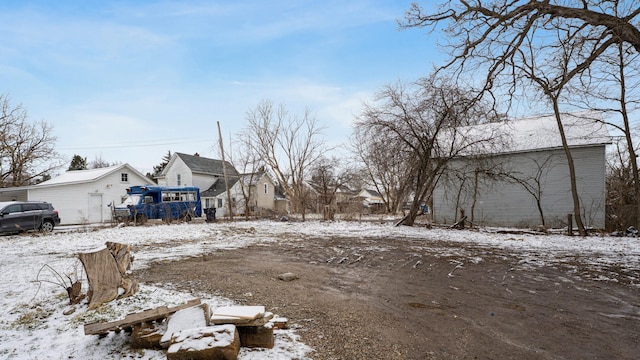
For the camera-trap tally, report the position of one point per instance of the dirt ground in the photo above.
(399, 299)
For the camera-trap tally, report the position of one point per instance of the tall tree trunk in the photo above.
(539, 204)
(572, 171)
(475, 194)
(633, 159)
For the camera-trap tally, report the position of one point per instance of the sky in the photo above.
(33, 324)
(127, 82)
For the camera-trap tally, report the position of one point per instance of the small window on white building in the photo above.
(219, 203)
(266, 188)
(178, 180)
(124, 177)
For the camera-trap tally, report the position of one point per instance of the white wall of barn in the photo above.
(86, 202)
(506, 203)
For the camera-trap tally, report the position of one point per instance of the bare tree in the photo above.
(289, 145)
(621, 195)
(386, 171)
(26, 148)
(327, 178)
(533, 181)
(422, 124)
(246, 159)
(99, 162)
(508, 41)
(614, 88)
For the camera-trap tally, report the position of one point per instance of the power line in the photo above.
(132, 144)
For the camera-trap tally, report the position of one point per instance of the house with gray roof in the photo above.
(193, 170)
(256, 193)
(208, 175)
(523, 178)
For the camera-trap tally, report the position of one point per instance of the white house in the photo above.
(264, 196)
(372, 201)
(527, 178)
(85, 196)
(195, 170)
(208, 175)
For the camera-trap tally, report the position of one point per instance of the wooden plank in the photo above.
(158, 313)
(401, 221)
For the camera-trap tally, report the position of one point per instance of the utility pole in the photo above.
(226, 178)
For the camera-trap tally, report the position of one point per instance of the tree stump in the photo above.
(107, 272)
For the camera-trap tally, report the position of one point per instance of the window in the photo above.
(30, 207)
(266, 188)
(16, 208)
(178, 180)
(124, 177)
(219, 203)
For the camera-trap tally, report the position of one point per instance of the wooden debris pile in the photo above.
(191, 331)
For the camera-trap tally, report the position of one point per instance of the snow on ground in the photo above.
(33, 326)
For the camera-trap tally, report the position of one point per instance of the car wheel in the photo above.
(47, 226)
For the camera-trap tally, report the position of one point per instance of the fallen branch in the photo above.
(459, 224)
(73, 289)
(460, 265)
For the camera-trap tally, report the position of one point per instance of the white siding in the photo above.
(500, 202)
(264, 200)
(178, 167)
(236, 193)
(203, 182)
(73, 201)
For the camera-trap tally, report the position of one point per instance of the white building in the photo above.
(505, 185)
(85, 196)
(264, 197)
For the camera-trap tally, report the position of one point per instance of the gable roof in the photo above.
(84, 176)
(536, 133)
(203, 165)
(218, 187)
(369, 193)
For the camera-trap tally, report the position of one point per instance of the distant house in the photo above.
(371, 200)
(346, 200)
(195, 170)
(264, 197)
(208, 175)
(505, 185)
(82, 196)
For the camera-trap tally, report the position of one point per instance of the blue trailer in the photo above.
(159, 202)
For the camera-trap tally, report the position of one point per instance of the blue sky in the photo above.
(128, 81)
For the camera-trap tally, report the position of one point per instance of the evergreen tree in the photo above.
(78, 163)
(165, 161)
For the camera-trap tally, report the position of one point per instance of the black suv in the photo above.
(19, 216)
